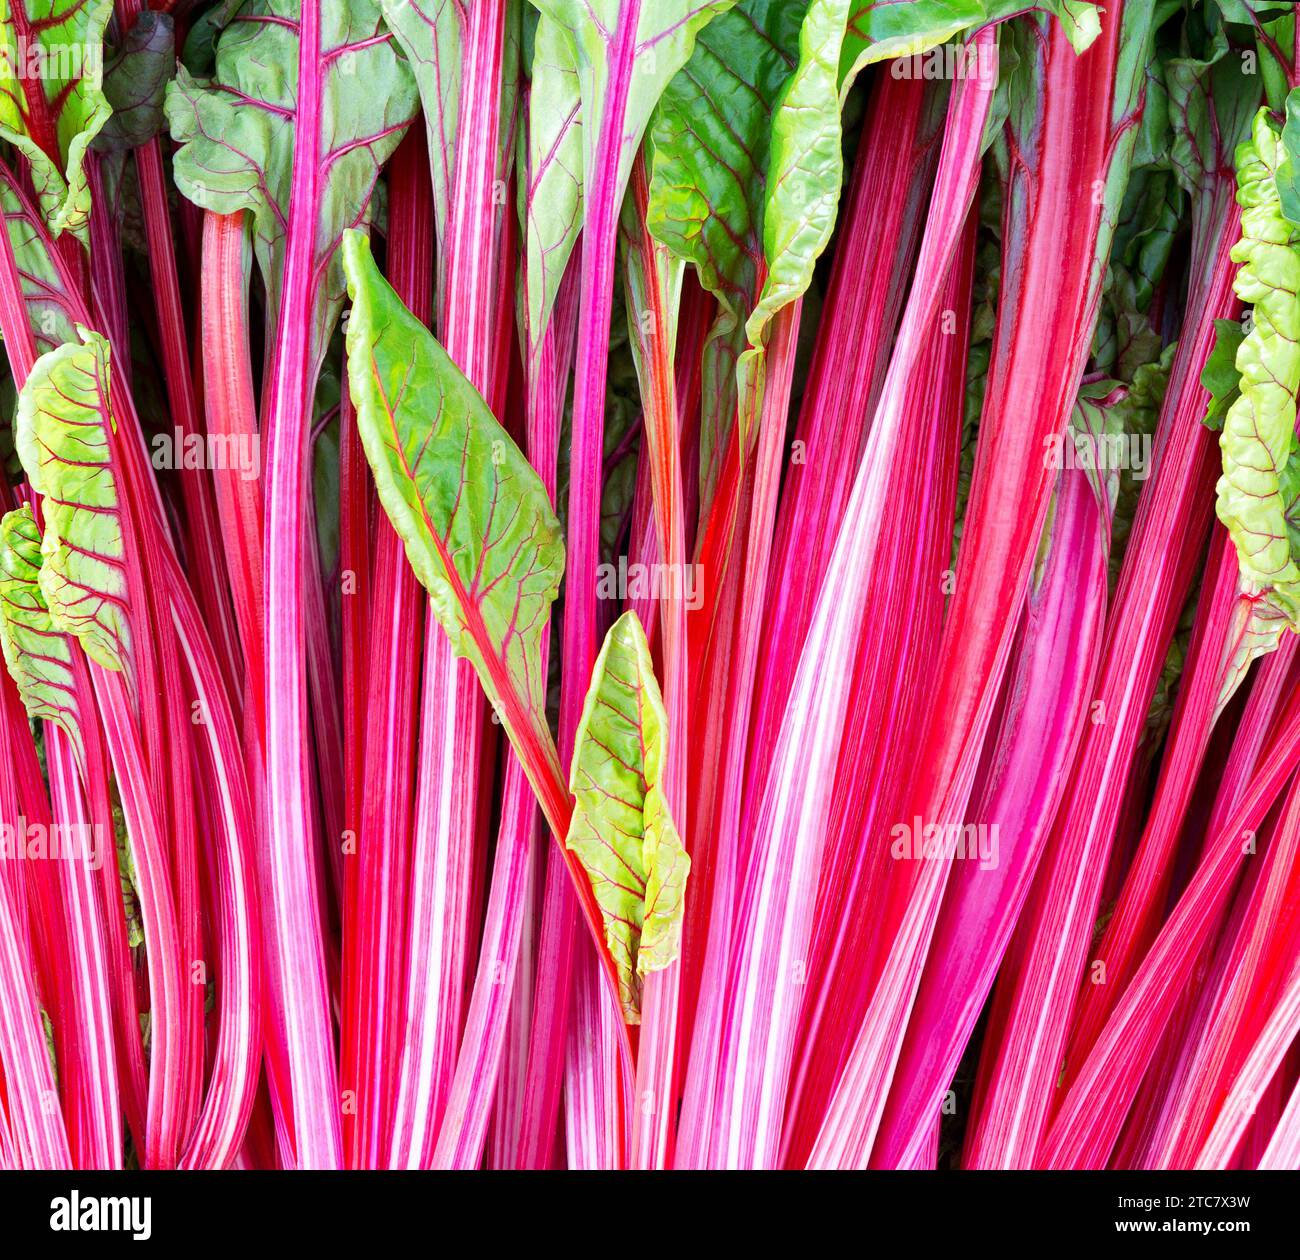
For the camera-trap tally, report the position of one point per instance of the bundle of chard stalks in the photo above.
(650, 584)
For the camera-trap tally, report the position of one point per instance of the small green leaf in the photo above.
(1220, 374)
(39, 657)
(52, 102)
(622, 831)
(62, 439)
(476, 520)
(430, 36)
(552, 193)
(49, 304)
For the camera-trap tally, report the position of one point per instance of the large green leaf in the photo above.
(39, 657)
(52, 102)
(708, 182)
(135, 82)
(622, 831)
(1211, 104)
(63, 441)
(236, 132)
(474, 516)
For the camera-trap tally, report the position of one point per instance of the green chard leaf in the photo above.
(39, 657)
(429, 33)
(664, 38)
(552, 193)
(49, 305)
(1211, 104)
(1220, 374)
(62, 438)
(236, 131)
(1288, 169)
(622, 831)
(879, 30)
(709, 139)
(1261, 476)
(135, 82)
(805, 174)
(52, 102)
(575, 46)
(474, 516)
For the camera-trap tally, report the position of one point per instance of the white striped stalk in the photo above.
(502, 994)
(1090, 1116)
(592, 1093)
(452, 708)
(765, 988)
(1250, 946)
(38, 1135)
(441, 878)
(157, 913)
(652, 284)
(464, 1123)
(35, 1136)
(99, 1135)
(294, 916)
(508, 1096)
(7, 1159)
(1260, 1067)
(1283, 1150)
(236, 1062)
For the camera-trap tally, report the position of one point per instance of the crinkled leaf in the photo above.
(63, 441)
(622, 831)
(1257, 492)
(39, 657)
(708, 182)
(52, 102)
(135, 82)
(1242, 10)
(127, 879)
(1139, 412)
(474, 516)
(1095, 439)
(1220, 374)
(236, 131)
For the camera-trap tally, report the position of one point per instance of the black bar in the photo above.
(809, 1214)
